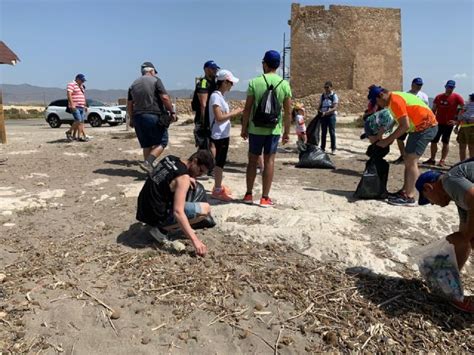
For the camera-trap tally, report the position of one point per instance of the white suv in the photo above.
(97, 114)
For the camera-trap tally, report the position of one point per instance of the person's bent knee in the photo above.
(205, 209)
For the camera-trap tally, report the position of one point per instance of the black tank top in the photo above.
(155, 201)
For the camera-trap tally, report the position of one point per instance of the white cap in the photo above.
(224, 74)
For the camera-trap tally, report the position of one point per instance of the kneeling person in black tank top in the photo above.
(162, 200)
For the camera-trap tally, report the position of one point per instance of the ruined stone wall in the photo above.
(353, 47)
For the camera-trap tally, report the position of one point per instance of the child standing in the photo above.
(300, 126)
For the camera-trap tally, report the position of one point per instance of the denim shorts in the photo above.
(258, 142)
(79, 114)
(191, 209)
(418, 141)
(149, 133)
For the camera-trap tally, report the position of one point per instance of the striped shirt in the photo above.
(78, 97)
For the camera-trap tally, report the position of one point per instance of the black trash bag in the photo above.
(314, 157)
(373, 184)
(199, 195)
(313, 131)
(376, 152)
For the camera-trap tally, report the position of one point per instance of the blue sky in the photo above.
(108, 40)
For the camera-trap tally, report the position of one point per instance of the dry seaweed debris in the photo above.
(334, 308)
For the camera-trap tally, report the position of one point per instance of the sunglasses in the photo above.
(327, 87)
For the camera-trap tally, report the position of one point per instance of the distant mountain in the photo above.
(29, 94)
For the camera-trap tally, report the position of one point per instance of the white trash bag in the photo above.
(439, 268)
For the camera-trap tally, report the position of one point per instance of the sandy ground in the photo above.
(291, 279)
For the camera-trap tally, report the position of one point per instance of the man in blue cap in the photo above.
(446, 106)
(264, 137)
(416, 85)
(205, 86)
(456, 185)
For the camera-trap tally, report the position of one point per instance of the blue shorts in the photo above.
(79, 114)
(418, 141)
(268, 144)
(149, 133)
(191, 209)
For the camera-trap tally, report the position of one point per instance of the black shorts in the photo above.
(222, 147)
(444, 132)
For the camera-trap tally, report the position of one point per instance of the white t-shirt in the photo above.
(299, 124)
(219, 130)
(422, 96)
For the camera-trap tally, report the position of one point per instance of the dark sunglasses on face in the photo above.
(327, 87)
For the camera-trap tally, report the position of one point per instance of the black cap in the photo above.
(148, 65)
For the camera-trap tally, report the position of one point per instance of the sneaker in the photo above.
(467, 305)
(221, 195)
(333, 151)
(69, 136)
(159, 235)
(266, 202)
(83, 139)
(146, 166)
(399, 160)
(402, 200)
(429, 162)
(248, 198)
(259, 171)
(395, 194)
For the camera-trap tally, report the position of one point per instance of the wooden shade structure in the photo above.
(6, 57)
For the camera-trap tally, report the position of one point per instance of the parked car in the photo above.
(98, 113)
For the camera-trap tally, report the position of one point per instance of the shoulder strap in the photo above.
(266, 82)
(279, 83)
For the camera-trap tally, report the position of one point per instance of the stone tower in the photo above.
(353, 47)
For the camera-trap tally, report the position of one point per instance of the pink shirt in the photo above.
(77, 93)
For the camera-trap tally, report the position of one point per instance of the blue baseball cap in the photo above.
(471, 96)
(417, 81)
(211, 64)
(450, 84)
(272, 58)
(374, 92)
(429, 176)
(81, 77)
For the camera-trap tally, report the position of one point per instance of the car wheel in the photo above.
(54, 121)
(113, 124)
(94, 120)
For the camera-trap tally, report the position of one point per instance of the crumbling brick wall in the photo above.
(353, 47)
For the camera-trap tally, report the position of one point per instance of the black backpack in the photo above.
(268, 109)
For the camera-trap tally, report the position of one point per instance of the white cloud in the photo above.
(460, 76)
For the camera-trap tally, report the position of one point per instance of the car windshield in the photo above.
(95, 103)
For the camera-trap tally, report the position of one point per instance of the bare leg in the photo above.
(251, 171)
(156, 150)
(444, 151)
(411, 174)
(434, 150)
(205, 211)
(260, 163)
(401, 147)
(218, 172)
(462, 151)
(471, 150)
(269, 161)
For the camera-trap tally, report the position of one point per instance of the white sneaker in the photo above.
(333, 152)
